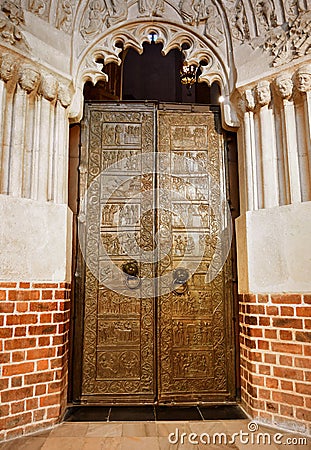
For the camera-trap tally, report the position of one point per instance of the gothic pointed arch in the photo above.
(205, 32)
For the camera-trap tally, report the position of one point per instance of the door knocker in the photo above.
(131, 271)
(180, 278)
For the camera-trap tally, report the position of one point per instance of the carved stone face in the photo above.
(64, 95)
(263, 93)
(29, 79)
(304, 79)
(48, 87)
(284, 86)
(7, 67)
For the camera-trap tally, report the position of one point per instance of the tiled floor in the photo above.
(154, 436)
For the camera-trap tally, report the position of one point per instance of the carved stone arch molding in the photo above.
(215, 50)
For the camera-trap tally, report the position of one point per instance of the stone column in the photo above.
(250, 152)
(7, 70)
(303, 84)
(61, 146)
(268, 146)
(48, 90)
(284, 86)
(36, 150)
(21, 126)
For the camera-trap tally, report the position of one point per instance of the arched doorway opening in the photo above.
(150, 76)
(117, 362)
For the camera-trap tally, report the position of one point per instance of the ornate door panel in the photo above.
(195, 339)
(116, 218)
(163, 333)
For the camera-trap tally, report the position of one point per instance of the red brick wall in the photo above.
(276, 359)
(34, 327)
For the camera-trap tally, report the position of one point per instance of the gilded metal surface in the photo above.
(193, 342)
(195, 339)
(118, 341)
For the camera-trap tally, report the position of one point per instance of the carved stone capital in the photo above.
(64, 95)
(249, 99)
(284, 85)
(263, 93)
(7, 67)
(303, 78)
(48, 87)
(29, 78)
(246, 101)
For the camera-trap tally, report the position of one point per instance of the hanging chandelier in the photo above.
(188, 74)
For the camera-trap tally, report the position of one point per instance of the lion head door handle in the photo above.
(180, 280)
(131, 271)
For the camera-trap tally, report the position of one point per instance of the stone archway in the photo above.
(172, 32)
(107, 45)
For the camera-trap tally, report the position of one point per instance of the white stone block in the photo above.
(35, 240)
(274, 249)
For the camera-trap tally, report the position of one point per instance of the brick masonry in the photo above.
(275, 335)
(34, 328)
(275, 339)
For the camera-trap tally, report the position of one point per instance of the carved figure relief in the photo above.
(291, 8)
(120, 215)
(94, 19)
(278, 44)
(118, 332)
(300, 34)
(263, 93)
(303, 77)
(151, 7)
(284, 85)
(121, 134)
(101, 13)
(29, 78)
(191, 136)
(112, 304)
(111, 365)
(48, 87)
(193, 11)
(214, 27)
(39, 8)
(118, 11)
(64, 95)
(11, 17)
(265, 14)
(239, 22)
(7, 67)
(292, 41)
(64, 16)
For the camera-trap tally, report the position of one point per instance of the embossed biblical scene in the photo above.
(157, 292)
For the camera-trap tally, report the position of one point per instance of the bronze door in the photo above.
(156, 281)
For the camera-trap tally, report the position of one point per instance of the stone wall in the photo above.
(35, 241)
(274, 247)
(34, 319)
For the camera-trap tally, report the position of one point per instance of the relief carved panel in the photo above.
(187, 337)
(118, 355)
(195, 347)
